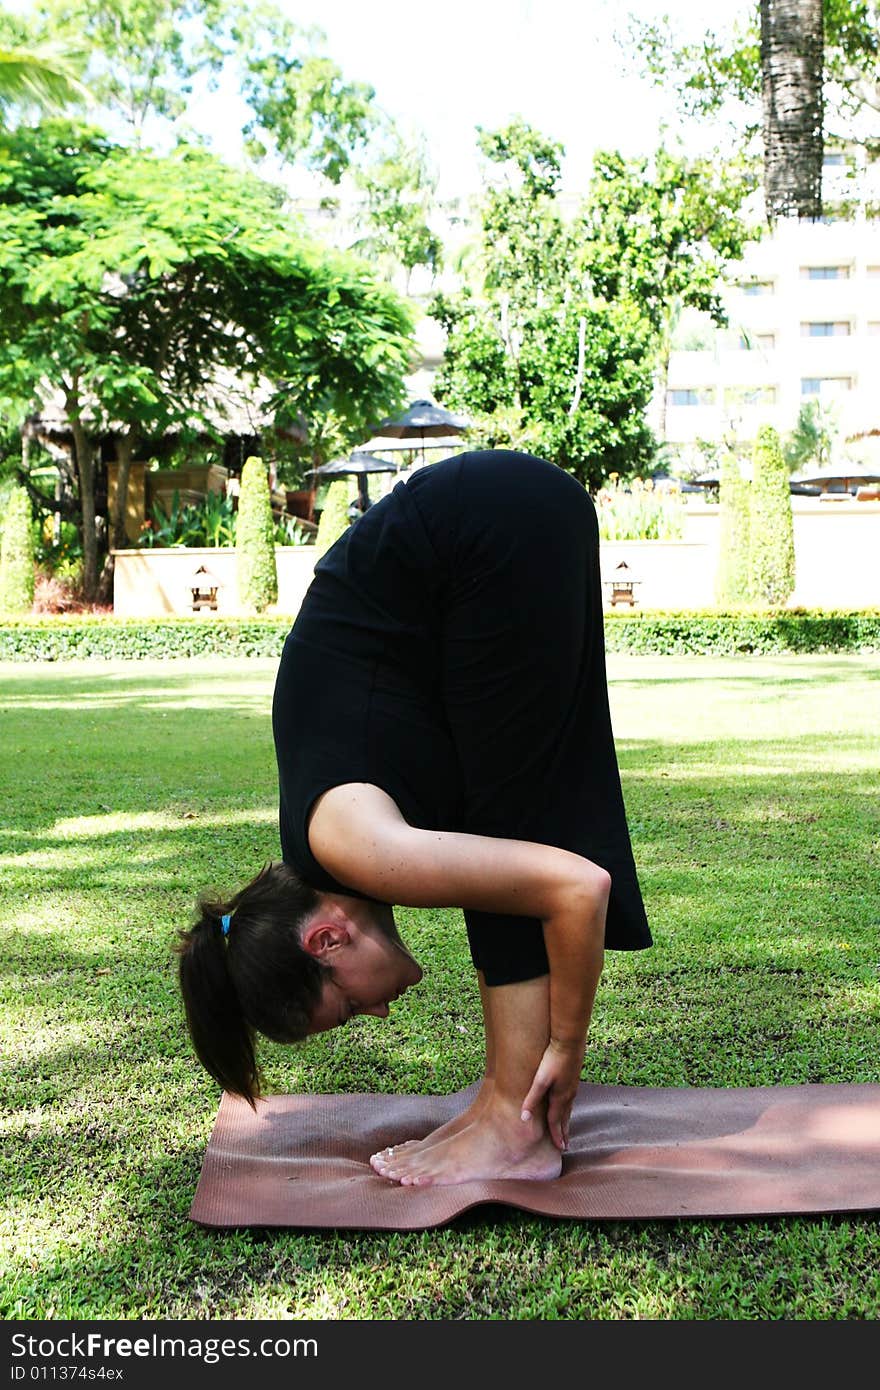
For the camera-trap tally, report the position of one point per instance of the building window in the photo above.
(825, 385)
(874, 328)
(756, 287)
(691, 395)
(839, 328)
(833, 159)
(824, 272)
(749, 395)
(759, 342)
(874, 272)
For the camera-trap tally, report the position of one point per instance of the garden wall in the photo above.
(837, 553)
(837, 558)
(153, 583)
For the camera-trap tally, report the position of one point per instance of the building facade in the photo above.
(804, 325)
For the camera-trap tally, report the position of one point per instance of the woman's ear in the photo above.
(321, 938)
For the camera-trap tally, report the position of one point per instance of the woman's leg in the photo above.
(496, 1143)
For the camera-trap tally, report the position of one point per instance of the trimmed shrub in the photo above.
(732, 582)
(771, 524)
(255, 570)
(706, 633)
(334, 520)
(17, 556)
(751, 631)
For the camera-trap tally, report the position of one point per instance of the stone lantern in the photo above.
(622, 585)
(204, 586)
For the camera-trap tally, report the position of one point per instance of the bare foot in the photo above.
(387, 1157)
(497, 1145)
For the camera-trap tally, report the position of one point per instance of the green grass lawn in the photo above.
(752, 790)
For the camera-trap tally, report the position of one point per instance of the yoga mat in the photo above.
(636, 1153)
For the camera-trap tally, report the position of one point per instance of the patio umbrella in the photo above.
(358, 466)
(849, 472)
(422, 420)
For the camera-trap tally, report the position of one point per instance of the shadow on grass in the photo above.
(790, 671)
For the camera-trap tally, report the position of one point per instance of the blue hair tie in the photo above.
(224, 923)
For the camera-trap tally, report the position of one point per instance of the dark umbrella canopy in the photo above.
(357, 466)
(423, 420)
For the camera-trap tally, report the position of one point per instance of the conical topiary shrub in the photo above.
(255, 570)
(17, 556)
(334, 520)
(732, 586)
(771, 524)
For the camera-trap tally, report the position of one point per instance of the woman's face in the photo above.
(368, 972)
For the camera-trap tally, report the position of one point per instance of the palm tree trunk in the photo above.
(792, 64)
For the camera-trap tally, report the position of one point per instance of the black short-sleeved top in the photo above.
(450, 651)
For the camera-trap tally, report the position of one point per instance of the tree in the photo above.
(532, 356)
(729, 76)
(17, 556)
(136, 285)
(771, 525)
(144, 56)
(812, 439)
(398, 196)
(303, 106)
(255, 570)
(37, 77)
(660, 234)
(732, 584)
(792, 47)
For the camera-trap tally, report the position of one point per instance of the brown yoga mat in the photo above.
(635, 1153)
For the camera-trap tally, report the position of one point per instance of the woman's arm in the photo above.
(359, 835)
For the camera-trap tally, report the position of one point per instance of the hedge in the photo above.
(704, 633)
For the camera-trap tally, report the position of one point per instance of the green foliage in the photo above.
(139, 56)
(71, 637)
(256, 574)
(661, 232)
(210, 522)
(289, 530)
(719, 73)
(303, 106)
(37, 77)
(117, 261)
(812, 439)
(17, 555)
(398, 198)
(771, 524)
(639, 512)
(531, 355)
(334, 520)
(748, 632)
(732, 582)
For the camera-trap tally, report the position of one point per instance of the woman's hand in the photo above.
(557, 1078)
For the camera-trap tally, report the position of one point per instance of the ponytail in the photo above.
(242, 970)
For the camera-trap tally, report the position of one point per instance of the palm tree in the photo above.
(792, 60)
(37, 76)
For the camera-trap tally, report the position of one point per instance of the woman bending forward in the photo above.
(443, 739)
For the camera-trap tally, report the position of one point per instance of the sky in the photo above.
(449, 67)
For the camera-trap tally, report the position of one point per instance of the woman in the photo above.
(443, 738)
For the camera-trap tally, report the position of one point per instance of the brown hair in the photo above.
(255, 978)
